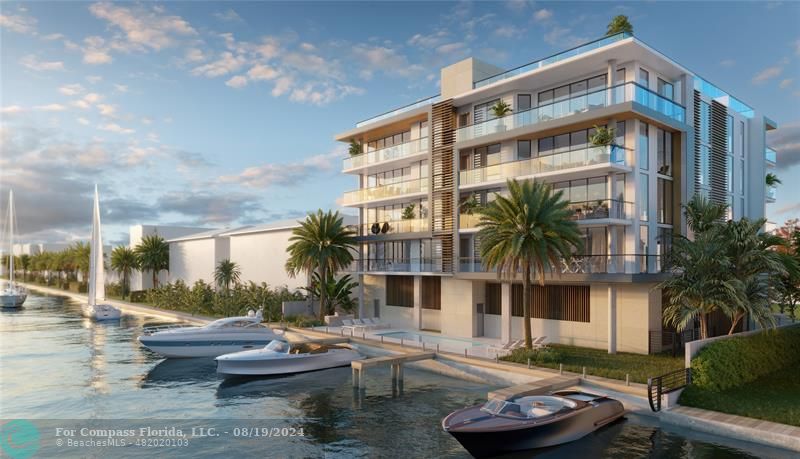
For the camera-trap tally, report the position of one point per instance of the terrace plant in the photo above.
(355, 148)
(772, 179)
(619, 24)
(408, 212)
(470, 205)
(500, 109)
(603, 136)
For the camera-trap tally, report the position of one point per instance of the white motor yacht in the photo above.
(94, 309)
(12, 295)
(280, 358)
(222, 336)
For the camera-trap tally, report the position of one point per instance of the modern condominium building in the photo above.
(424, 167)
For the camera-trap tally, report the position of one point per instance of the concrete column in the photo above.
(505, 312)
(418, 302)
(612, 319)
(612, 80)
(614, 208)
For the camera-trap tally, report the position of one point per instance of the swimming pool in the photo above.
(431, 339)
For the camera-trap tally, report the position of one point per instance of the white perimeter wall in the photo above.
(262, 258)
(195, 260)
(142, 281)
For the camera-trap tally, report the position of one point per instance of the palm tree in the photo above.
(226, 273)
(529, 231)
(321, 244)
(80, 254)
(153, 255)
(355, 148)
(24, 263)
(619, 24)
(339, 292)
(501, 109)
(124, 261)
(702, 214)
(772, 179)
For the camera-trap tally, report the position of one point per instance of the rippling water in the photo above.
(57, 366)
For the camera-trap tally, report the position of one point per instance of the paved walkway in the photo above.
(132, 308)
(739, 427)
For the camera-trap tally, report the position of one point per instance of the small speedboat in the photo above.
(536, 421)
(280, 358)
(223, 336)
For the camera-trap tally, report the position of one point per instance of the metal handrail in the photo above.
(666, 383)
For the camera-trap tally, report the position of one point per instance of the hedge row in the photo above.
(735, 361)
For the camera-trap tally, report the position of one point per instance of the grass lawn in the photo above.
(599, 362)
(774, 397)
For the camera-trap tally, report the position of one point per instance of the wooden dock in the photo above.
(396, 363)
(541, 387)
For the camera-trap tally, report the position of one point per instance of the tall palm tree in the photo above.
(321, 244)
(226, 273)
(619, 24)
(338, 292)
(124, 261)
(530, 231)
(153, 255)
(80, 254)
(24, 263)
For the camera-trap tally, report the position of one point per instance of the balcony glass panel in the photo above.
(401, 150)
(541, 164)
(429, 101)
(584, 264)
(772, 192)
(397, 265)
(586, 210)
(386, 191)
(414, 225)
(566, 106)
(771, 155)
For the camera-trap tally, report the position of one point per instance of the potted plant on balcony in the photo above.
(408, 212)
(470, 205)
(355, 148)
(605, 136)
(500, 110)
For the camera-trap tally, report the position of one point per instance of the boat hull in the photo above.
(230, 365)
(485, 443)
(13, 300)
(202, 347)
(101, 312)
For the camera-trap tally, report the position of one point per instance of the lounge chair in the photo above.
(377, 324)
(539, 343)
(507, 348)
(348, 324)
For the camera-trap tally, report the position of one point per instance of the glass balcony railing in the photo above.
(542, 164)
(772, 192)
(584, 264)
(406, 108)
(414, 225)
(397, 265)
(584, 210)
(625, 92)
(387, 154)
(771, 155)
(578, 50)
(386, 191)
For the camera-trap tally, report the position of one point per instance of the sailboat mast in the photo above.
(11, 236)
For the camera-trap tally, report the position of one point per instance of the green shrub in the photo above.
(78, 287)
(138, 296)
(303, 321)
(114, 290)
(736, 361)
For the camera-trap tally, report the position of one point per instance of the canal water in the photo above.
(61, 371)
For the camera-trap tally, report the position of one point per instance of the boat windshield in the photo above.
(278, 346)
(230, 322)
(532, 407)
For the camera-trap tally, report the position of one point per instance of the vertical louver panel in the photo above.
(697, 151)
(443, 179)
(719, 159)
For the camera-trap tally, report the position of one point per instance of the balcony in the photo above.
(585, 264)
(771, 156)
(398, 265)
(385, 155)
(583, 211)
(772, 193)
(625, 92)
(386, 192)
(414, 225)
(406, 108)
(611, 157)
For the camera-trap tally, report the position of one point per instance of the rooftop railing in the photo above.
(542, 164)
(572, 52)
(406, 108)
(398, 151)
(625, 92)
(386, 191)
(771, 155)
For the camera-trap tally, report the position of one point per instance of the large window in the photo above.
(553, 302)
(483, 111)
(523, 149)
(400, 291)
(644, 78)
(394, 139)
(664, 201)
(523, 102)
(493, 299)
(581, 190)
(664, 151)
(431, 292)
(729, 137)
(561, 143)
(644, 197)
(644, 145)
(573, 97)
(666, 89)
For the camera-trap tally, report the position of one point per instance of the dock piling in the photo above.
(561, 368)
(627, 379)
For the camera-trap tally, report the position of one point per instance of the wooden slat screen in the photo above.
(400, 291)
(493, 299)
(554, 302)
(698, 188)
(442, 172)
(719, 155)
(431, 292)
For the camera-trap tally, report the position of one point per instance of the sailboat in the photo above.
(97, 276)
(13, 295)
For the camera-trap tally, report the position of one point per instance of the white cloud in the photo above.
(18, 23)
(428, 41)
(51, 108)
(121, 87)
(32, 62)
(308, 47)
(94, 79)
(144, 27)
(194, 55)
(147, 121)
(83, 121)
(282, 85)
(228, 16)
(87, 101)
(238, 81)
(543, 14)
(287, 174)
(786, 83)
(383, 59)
(114, 127)
(11, 109)
(767, 74)
(227, 63)
(53, 37)
(262, 72)
(508, 31)
(96, 51)
(71, 89)
(450, 48)
(107, 110)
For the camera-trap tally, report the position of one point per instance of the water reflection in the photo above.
(180, 371)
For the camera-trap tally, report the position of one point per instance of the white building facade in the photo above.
(143, 281)
(423, 167)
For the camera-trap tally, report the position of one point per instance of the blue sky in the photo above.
(222, 113)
